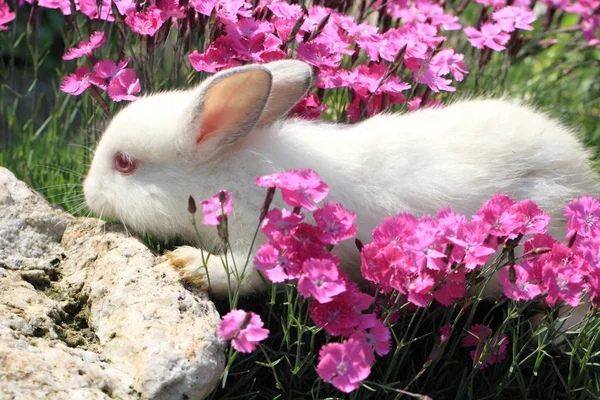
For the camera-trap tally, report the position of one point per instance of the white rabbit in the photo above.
(221, 135)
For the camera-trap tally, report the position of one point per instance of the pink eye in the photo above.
(125, 164)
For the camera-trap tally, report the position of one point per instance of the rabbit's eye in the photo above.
(125, 164)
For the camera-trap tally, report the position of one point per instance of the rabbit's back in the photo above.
(457, 156)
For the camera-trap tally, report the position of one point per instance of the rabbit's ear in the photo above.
(291, 81)
(226, 108)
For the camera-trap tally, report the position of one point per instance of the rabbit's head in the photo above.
(158, 148)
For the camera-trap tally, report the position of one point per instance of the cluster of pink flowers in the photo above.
(415, 261)
(300, 251)
(120, 83)
(370, 62)
(560, 272)
(327, 39)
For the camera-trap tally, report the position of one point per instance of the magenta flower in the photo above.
(277, 261)
(318, 54)
(491, 36)
(320, 279)
(97, 9)
(374, 334)
(172, 8)
(245, 329)
(105, 70)
(395, 230)
(308, 107)
(342, 314)
(562, 275)
(63, 5)
(583, 217)
(427, 246)
(590, 27)
(5, 15)
(470, 244)
(279, 223)
(445, 332)
(77, 83)
(524, 217)
(344, 365)
(450, 62)
(214, 208)
(299, 188)
(146, 22)
(220, 54)
(336, 223)
(519, 287)
(488, 350)
(490, 212)
(86, 47)
(124, 86)
(125, 6)
(510, 18)
(451, 287)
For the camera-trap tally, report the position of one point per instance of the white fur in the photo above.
(457, 156)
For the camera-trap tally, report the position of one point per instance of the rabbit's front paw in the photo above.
(189, 262)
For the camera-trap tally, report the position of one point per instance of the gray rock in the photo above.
(88, 312)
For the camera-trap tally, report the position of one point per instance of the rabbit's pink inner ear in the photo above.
(233, 104)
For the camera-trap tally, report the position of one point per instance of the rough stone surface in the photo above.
(89, 313)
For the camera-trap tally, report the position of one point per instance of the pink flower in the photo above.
(299, 188)
(525, 218)
(336, 223)
(451, 287)
(77, 83)
(308, 107)
(344, 365)
(279, 223)
(219, 55)
(511, 18)
(427, 246)
(490, 212)
(394, 230)
(562, 275)
(105, 70)
(445, 332)
(342, 314)
(583, 217)
(125, 6)
(450, 62)
(374, 334)
(146, 22)
(5, 15)
(318, 54)
(63, 5)
(86, 47)
(214, 208)
(471, 246)
(245, 329)
(519, 286)
(320, 279)
(274, 262)
(590, 27)
(287, 11)
(124, 86)
(491, 36)
(172, 8)
(97, 9)
(488, 351)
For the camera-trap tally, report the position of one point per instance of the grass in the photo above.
(47, 139)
